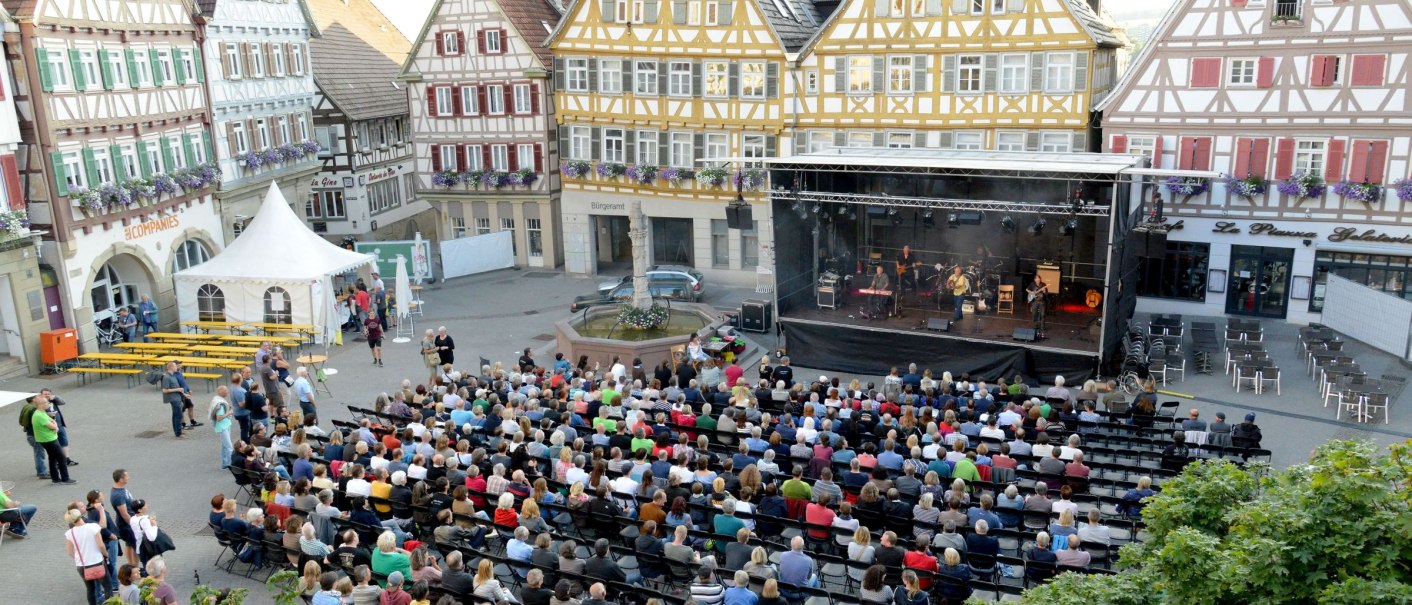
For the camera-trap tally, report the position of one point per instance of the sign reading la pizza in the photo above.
(1339, 234)
(147, 228)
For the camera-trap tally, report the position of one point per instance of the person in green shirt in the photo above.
(387, 558)
(966, 468)
(726, 524)
(16, 514)
(796, 487)
(706, 422)
(640, 441)
(603, 420)
(220, 415)
(46, 434)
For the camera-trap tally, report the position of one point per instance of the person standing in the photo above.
(236, 400)
(84, 544)
(172, 396)
(259, 411)
(186, 404)
(430, 356)
(121, 500)
(274, 396)
(147, 312)
(41, 468)
(220, 415)
(127, 324)
(380, 304)
(1036, 293)
(364, 301)
(56, 409)
(445, 346)
(46, 434)
(304, 392)
(959, 285)
(373, 330)
(98, 514)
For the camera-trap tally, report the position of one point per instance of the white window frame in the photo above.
(644, 75)
(713, 15)
(144, 69)
(1014, 73)
(997, 7)
(897, 8)
(919, 8)
(154, 157)
(298, 57)
(753, 79)
(495, 99)
(610, 76)
(715, 79)
(859, 140)
(475, 157)
(131, 166)
(1059, 73)
(198, 148)
(242, 138)
(1143, 144)
(819, 141)
(233, 58)
(811, 81)
(279, 68)
(188, 64)
(257, 60)
(978, 7)
(1242, 72)
(638, 11)
(693, 12)
(970, 74)
(282, 123)
(103, 164)
(646, 142)
(717, 147)
(900, 140)
(470, 102)
(117, 63)
(59, 74)
(458, 227)
(177, 152)
(683, 149)
(974, 140)
(500, 158)
(899, 75)
(521, 95)
(679, 79)
(303, 126)
(74, 173)
(1010, 140)
(262, 134)
(524, 156)
(164, 59)
(444, 101)
(1056, 142)
(1311, 155)
(612, 146)
(752, 148)
(482, 225)
(576, 76)
(449, 161)
(580, 143)
(450, 44)
(859, 85)
(494, 45)
(534, 237)
(88, 58)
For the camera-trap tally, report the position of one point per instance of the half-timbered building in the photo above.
(478, 81)
(1007, 75)
(1303, 106)
(367, 188)
(262, 94)
(655, 100)
(117, 161)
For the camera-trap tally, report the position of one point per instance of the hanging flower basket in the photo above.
(271, 156)
(749, 180)
(609, 170)
(1302, 185)
(88, 200)
(164, 184)
(189, 179)
(1187, 186)
(574, 169)
(446, 178)
(290, 153)
(642, 174)
(311, 147)
(116, 196)
(142, 190)
(495, 179)
(250, 159)
(675, 175)
(1249, 187)
(523, 176)
(639, 319)
(472, 178)
(712, 177)
(1403, 188)
(13, 224)
(1368, 193)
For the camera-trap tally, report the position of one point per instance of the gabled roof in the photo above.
(19, 8)
(793, 22)
(357, 58)
(206, 9)
(1135, 66)
(532, 20)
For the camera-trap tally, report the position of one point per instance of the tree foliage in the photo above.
(1334, 530)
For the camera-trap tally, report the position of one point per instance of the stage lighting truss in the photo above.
(892, 203)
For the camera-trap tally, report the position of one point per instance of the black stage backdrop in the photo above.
(839, 348)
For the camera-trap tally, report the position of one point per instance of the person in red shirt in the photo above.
(475, 484)
(922, 559)
(506, 516)
(734, 372)
(819, 517)
(1003, 459)
(373, 329)
(364, 301)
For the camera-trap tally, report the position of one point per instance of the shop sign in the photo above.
(153, 226)
(323, 182)
(374, 177)
(607, 206)
(1338, 234)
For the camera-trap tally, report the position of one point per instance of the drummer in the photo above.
(982, 258)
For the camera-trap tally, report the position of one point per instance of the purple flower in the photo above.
(310, 147)
(1187, 186)
(446, 178)
(574, 169)
(1368, 193)
(1302, 185)
(164, 184)
(1403, 187)
(642, 174)
(495, 179)
(1247, 187)
(610, 170)
(676, 175)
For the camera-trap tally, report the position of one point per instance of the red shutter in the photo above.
(1241, 167)
(1265, 74)
(1368, 161)
(1238, 3)
(480, 41)
(1316, 70)
(10, 172)
(440, 45)
(1333, 165)
(460, 42)
(538, 157)
(485, 158)
(1284, 159)
(512, 156)
(1260, 158)
(1205, 73)
(481, 107)
(1368, 70)
(461, 163)
(1157, 151)
(504, 42)
(1119, 144)
(436, 158)
(456, 100)
(431, 101)
(1202, 151)
(1185, 147)
(508, 90)
(534, 98)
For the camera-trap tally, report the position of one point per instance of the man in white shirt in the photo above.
(376, 283)
(1019, 447)
(991, 430)
(358, 486)
(576, 474)
(1009, 417)
(933, 449)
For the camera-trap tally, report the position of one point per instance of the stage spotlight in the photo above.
(927, 213)
(953, 221)
(1008, 224)
(797, 207)
(815, 209)
(842, 210)
(852, 216)
(896, 219)
(892, 211)
(1069, 226)
(1037, 227)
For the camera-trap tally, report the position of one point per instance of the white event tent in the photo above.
(276, 261)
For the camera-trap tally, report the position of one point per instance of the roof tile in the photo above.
(358, 58)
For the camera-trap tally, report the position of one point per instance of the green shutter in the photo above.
(46, 79)
(90, 167)
(76, 63)
(132, 80)
(200, 69)
(187, 151)
(61, 177)
(167, 160)
(178, 67)
(143, 163)
(206, 144)
(156, 66)
(115, 155)
(106, 69)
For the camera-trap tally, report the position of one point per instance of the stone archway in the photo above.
(191, 234)
(118, 277)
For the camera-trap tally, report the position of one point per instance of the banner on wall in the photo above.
(477, 254)
(387, 252)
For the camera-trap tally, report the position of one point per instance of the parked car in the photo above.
(698, 281)
(671, 288)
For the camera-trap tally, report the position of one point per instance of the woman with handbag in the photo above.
(151, 540)
(84, 543)
(430, 356)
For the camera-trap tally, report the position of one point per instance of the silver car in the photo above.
(698, 281)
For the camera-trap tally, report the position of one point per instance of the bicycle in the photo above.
(108, 332)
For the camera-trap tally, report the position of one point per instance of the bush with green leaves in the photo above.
(1336, 529)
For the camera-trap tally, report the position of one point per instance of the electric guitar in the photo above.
(1034, 292)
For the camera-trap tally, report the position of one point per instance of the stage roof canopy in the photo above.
(1000, 161)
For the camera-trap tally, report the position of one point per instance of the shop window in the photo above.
(210, 304)
(1381, 272)
(1179, 273)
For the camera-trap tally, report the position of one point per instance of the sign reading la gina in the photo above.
(1339, 234)
(149, 227)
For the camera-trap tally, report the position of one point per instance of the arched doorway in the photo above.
(116, 284)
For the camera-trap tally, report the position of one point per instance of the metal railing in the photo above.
(1288, 10)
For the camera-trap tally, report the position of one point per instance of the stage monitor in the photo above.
(1025, 334)
(938, 324)
(739, 216)
(969, 217)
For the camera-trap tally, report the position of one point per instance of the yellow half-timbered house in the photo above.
(653, 98)
(1008, 75)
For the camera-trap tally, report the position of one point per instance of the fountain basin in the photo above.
(596, 334)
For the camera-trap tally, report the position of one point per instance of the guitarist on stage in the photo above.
(1037, 307)
(906, 278)
(959, 285)
(878, 304)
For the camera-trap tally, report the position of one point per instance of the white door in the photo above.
(9, 321)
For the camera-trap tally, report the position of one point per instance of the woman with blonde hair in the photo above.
(860, 551)
(530, 518)
(759, 565)
(911, 592)
(309, 582)
(489, 588)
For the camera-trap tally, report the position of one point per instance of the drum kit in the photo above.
(983, 275)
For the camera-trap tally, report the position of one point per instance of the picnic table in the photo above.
(271, 329)
(182, 337)
(225, 351)
(205, 362)
(152, 346)
(207, 326)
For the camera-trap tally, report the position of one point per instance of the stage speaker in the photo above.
(828, 299)
(739, 216)
(937, 324)
(1025, 334)
(1152, 245)
(755, 315)
(969, 217)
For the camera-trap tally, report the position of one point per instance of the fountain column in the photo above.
(637, 233)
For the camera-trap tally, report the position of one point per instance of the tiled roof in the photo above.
(358, 58)
(794, 21)
(533, 19)
(1100, 29)
(207, 7)
(19, 8)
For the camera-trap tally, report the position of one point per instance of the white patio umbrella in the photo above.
(403, 293)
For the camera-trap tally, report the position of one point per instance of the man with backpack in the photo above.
(41, 464)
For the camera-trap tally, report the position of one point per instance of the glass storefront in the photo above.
(1180, 273)
(1258, 281)
(1383, 272)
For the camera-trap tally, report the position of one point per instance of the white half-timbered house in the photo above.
(117, 164)
(478, 82)
(367, 187)
(1306, 105)
(262, 95)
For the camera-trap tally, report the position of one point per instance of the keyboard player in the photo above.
(876, 302)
